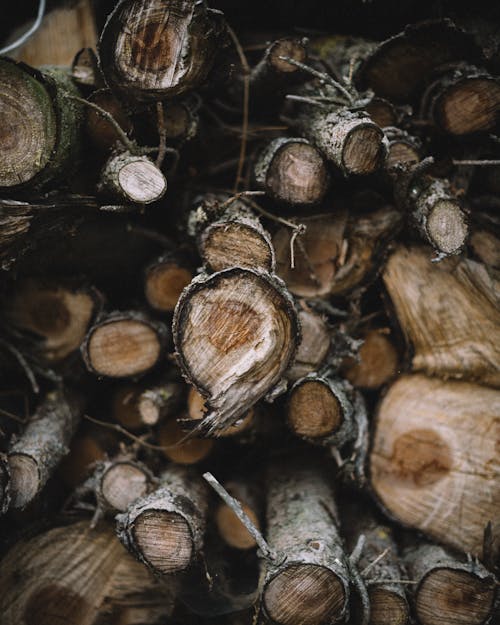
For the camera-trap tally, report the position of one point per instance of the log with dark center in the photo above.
(449, 314)
(314, 345)
(132, 178)
(377, 362)
(230, 528)
(349, 139)
(293, 171)
(165, 530)
(403, 149)
(463, 100)
(308, 582)
(164, 280)
(181, 448)
(449, 590)
(34, 456)
(235, 333)
(337, 253)
(124, 344)
(379, 558)
(434, 463)
(436, 212)
(99, 130)
(228, 234)
(40, 131)
(155, 49)
(78, 575)
(56, 316)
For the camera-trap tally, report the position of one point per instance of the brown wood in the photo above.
(230, 528)
(377, 361)
(181, 448)
(164, 281)
(315, 343)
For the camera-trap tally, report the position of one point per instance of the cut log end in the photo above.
(364, 149)
(232, 529)
(292, 48)
(141, 181)
(122, 484)
(314, 411)
(447, 227)
(378, 362)
(304, 595)
(297, 174)
(387, 607)
(121, 348)
(189, 451)
(164, 540)
(449, 597)
(401, 153)
(164, 283)
(314, 345)
(28, 129)
(24, 479)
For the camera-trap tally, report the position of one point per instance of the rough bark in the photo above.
(338, 253)
(314, 345)
(376, 364)
(433, 464)
(77, 575)
(462, 100)
(40, 138)
(230, 528)
(309, 580)
(235, 333)
(132, 178)
(450, 589)
(124, 344)
(164, 280)
(151, 50)
(228, 234)
(436, 213)
(449, 314)
(291, 170)
(165, 530)
(45, 441)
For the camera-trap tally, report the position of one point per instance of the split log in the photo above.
(51, 318)
(99, 130)
(40, 138)
(337, 253)
(77, 575)
(228, 234)
(378, 565)
(403, 149)
(435, 211)
(309, 581)
(449, 314)
(123, 344)
(164, 280)
(377, 362)
(165, 530)
(462, 100)
(181, 448)
(433, 464)
(132, 178)
(45, 441)
(449, 589)
(156, 49)
(314, 345)
(197, 410)
(230, 528)
(235, 334)
(291, 170)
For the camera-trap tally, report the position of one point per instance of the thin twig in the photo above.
(375, 562)
(478, 163)
(12, 416)
(301, 98)
(235, 506)
(240, 195)
(246, 98)
(31, 31)
(162, 132)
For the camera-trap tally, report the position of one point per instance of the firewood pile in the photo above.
(250, 323)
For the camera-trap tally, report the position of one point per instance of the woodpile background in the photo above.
(250, 323)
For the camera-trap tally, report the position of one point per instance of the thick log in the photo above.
(40, 138)
(309, 581)
(164, 280)
(165, 530)
(228, 234)
(124, 344)
(78, 575)
(449, 314)
(433, 464)
(462, 100)
(235, 334)
(45, 441)
(449, 589)
(293, 171)
(156, 49)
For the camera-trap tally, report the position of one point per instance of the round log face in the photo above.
(313, 410)
(304, 595)
(190, 451)
(448, 597)
(287, 47)
(363, 151)
(165, 540)
(24, 479)
(142, 181)
(387, 608)
(232, 529)
(164, 284)
(469, 106)
(28, 128)
(446, 226)
(122, 484)
(378, 362)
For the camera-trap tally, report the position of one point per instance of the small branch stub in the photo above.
(133, 178)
